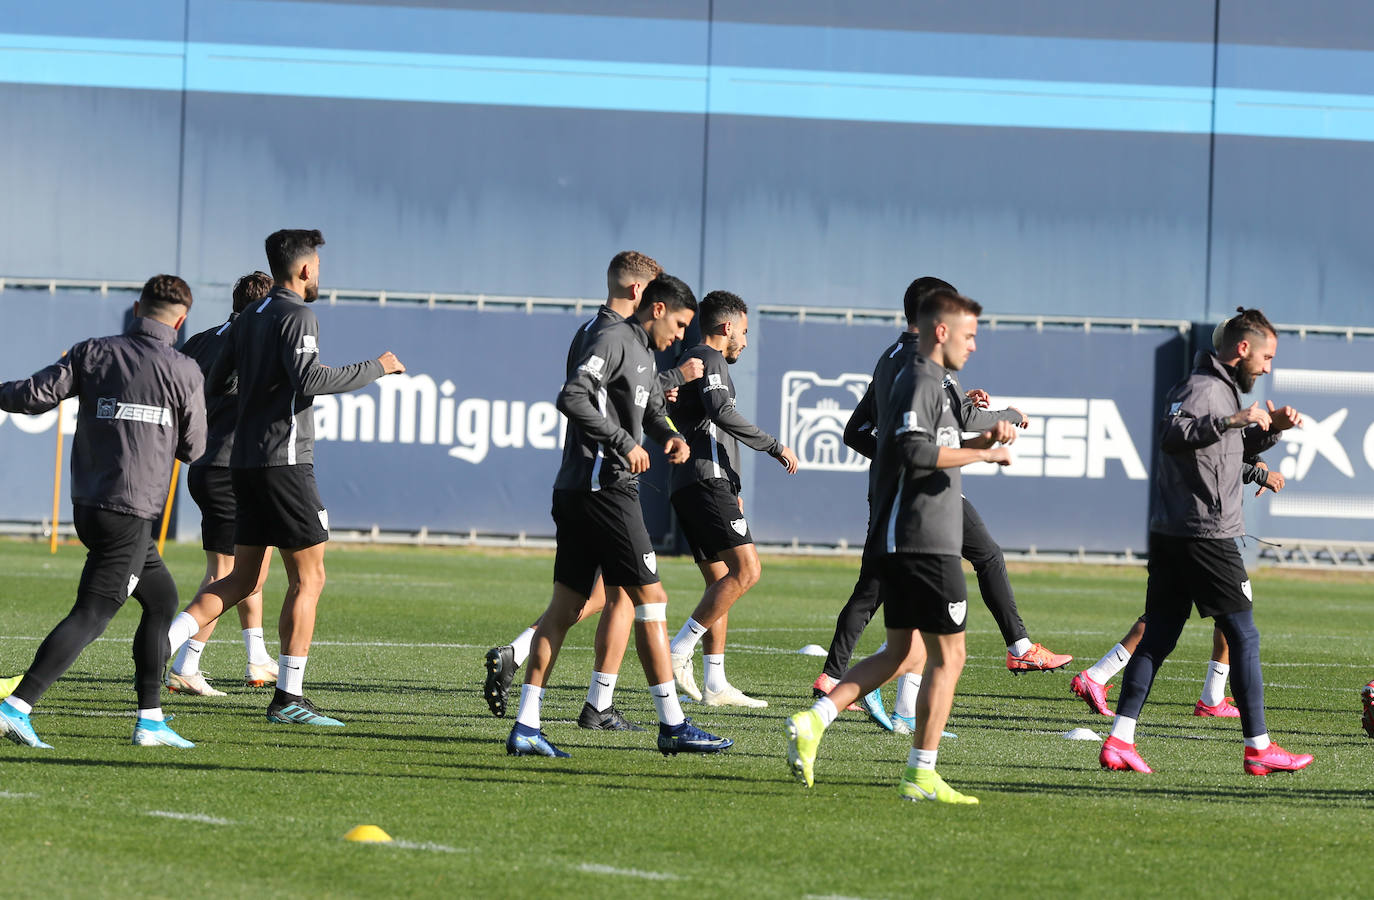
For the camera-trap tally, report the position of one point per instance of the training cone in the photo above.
(368, 834)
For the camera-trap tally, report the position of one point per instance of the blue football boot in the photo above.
(527, 741)
(687, 738)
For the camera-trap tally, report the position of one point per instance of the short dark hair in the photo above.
(939, 303)
(250, 289)
(1245, 325)
(671, 292)
(917, 290)
(286, 247)
(720, 306)
(163, 292)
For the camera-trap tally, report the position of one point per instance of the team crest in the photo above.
(641, 396)
(308, 344)
(740, 526)
(324, 519)
(957, 611)
(1247, 591)
(133, 583)
(593, 366)
(814, 413)
(651, 562)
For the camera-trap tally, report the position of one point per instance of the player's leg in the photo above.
(1092, 683)
(612, 637)
(849, 625)
(261, 669)
(156, 592)
(503, 661)
(734, 571)
(115, 550)
(184, 675)
(991, 568)
(211, 487)
(305, 580)
(1213, 700)
(945, 655)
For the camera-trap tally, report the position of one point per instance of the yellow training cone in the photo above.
(369, 834)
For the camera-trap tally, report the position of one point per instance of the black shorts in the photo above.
(279, 506)
(602, 530)
(711, 519)
(212, 487)
(1204, 572)
(923, 591)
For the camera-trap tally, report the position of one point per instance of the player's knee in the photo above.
(748, 572)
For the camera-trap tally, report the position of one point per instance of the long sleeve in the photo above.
(657, 425)
(1256, 440)
(671, 378)
(972, 418)
(719, 406)
(578, 400)
(43, 390)
(221, 378)
(859, 430)
(300, 351)
(1189, 425)
(191, 428)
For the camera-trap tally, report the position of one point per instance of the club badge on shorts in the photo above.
(740, 526)
(957, 611)
(324, 519)
(651, 562)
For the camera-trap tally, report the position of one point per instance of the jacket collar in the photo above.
(286, 295)
(1207, 362)
(638, 328)
(153, 329)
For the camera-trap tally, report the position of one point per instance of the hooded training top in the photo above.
(274, 349)
(1196, 491)
(915, 507)
(611, 398)
(706, 414)
(141, 404)
(859, 432)
(221, 410)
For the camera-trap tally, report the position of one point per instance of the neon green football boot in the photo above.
(926, 784)
(804, 732)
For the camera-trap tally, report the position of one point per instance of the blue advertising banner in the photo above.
(1329, 462)
(39, 327)
(1080, 476)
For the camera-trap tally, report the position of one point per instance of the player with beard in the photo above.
(274, 350)
(706, 497)
(1196, 519)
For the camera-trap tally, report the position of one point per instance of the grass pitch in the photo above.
(260, 810)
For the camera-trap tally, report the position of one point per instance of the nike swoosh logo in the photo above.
(641, 368)
(929, 795)
(603, 683)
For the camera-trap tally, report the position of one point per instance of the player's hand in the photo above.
(1253, 414)
(638, 459)
(390, 364)
(692, 369)
(1283, 418)
(1003, 432)
(670, 395)
(1024, 421)
(788, 460)
(999, 455)
(677, 450)
(979, 397)
(1275, 479)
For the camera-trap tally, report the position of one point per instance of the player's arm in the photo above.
(578, 398)
(973, 417)
(690, 370)
(1190, 422)
(42, 390)
(197, 349)
(922, 402)
(661, 428)
(191, 427)
(860, 432)
(299, 347)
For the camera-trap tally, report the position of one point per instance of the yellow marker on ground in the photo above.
(368, 834)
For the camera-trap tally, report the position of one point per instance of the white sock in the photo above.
(1258, 742)
(687, 638)
(715, 672)
(666, 702)
(1123, 729)
(530, 698)
(601, 692)
(19, 706)
(152, 715)
(521, 646)
(1020, 648)
(256, 647)
(825, 708)
(922, 759)
(908, 686)
(188, 657)
(183, 628)
(291, 677)
(1115, 660)
(1214, 685)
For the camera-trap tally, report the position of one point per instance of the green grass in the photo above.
(399, 657)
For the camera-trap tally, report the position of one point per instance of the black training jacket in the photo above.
(705, 414)
(141, 404)
(274, 349)
(221, 410)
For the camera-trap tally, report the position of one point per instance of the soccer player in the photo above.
(274, 350)
(705, 495)
(914, 540)
(612, 397)
(1194, 561)
(211, 487)
(627, 276)
(978, 546)
(141, 404)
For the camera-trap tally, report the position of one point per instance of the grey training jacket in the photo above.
(1196, 490)
(612, 397)
(141, 404)
(705, 413)
(274, 348)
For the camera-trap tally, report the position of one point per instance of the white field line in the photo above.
(425, 845)
(15, 795)
(599, 869)
(188, 817)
